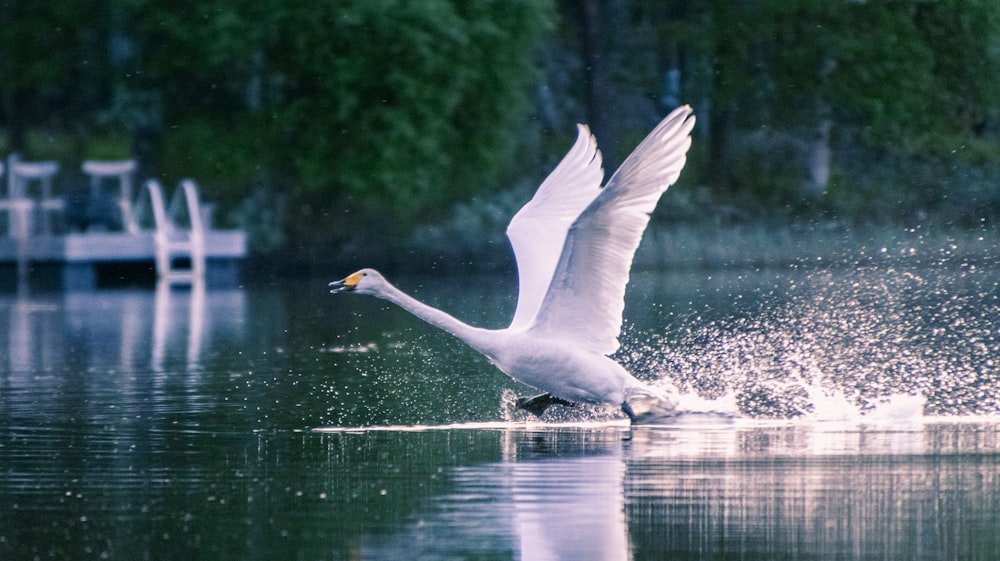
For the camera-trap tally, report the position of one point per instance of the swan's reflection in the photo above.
(553, 496)
(570, 507)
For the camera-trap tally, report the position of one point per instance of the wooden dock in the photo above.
(75, 261)
(167, 239)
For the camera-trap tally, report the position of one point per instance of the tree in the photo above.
(44, 50)
(907, 75)
(367, 104)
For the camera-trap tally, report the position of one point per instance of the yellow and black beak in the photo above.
(345, 285)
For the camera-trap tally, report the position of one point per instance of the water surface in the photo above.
(282, 422)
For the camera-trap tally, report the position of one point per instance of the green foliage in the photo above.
(388, 104)
(106, 147)
(902, 80)
(406, 105)
(45, 56)
(39, 42)
(225, 156)
(333, 117)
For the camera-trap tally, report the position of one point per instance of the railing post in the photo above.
(173, 241)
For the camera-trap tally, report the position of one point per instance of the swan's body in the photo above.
(574, 243)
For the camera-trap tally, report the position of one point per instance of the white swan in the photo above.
(574, 242)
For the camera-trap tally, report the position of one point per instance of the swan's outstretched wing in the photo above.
(586, 297)
(538, 230)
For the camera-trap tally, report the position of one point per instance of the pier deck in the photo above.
(72, 261)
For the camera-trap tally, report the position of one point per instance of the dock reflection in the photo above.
(177, 320)
(117, 330)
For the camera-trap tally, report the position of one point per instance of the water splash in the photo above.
(509, 412)
(875, 342)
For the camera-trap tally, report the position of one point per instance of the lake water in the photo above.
(843, 413)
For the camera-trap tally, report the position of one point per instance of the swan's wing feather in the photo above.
(586, 297)
(538, 230)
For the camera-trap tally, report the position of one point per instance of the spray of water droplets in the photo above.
(844, 342)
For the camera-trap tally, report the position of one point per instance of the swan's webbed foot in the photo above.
(627, 409)
(539, 403)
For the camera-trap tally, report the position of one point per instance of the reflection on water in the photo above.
(557, 493)
(179, 423)
(121, 329)
(551, 496)
(929, 494)
(711, 491)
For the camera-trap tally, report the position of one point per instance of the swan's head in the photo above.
(365, 281)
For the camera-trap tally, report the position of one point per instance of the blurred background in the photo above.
(404, 135)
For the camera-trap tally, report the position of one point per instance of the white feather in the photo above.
(585, 300)
(537, 230)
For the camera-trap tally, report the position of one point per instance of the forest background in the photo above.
(395, 133)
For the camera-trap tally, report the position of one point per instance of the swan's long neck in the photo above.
(476, 337)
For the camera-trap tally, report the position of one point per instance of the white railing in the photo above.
(20, 205)
(18, 210)
(178, 225)
(179, 231)
(122, 171)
